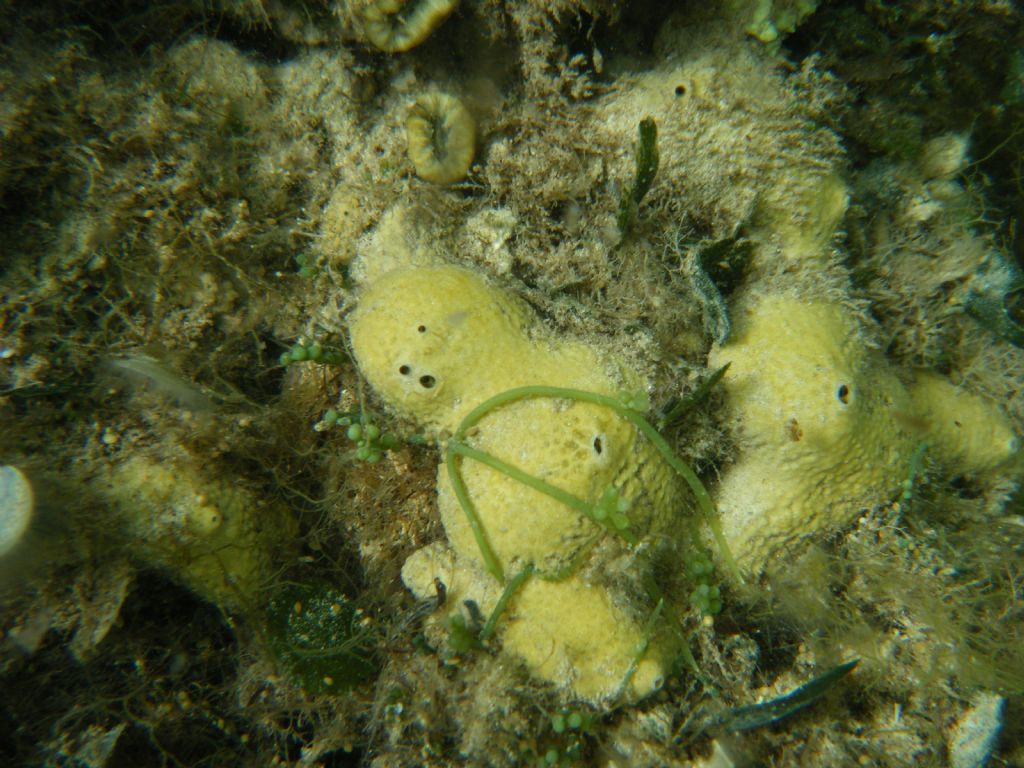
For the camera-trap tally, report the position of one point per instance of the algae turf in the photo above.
(193, 197)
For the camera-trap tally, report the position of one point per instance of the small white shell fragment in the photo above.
(974, 735)
(16, 502)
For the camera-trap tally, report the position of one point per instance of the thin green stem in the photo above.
(669, 418)
(525, 478)
(491, 561)
(915, 472)
(570, 500)
(654, 593)
(637, 419)
(641, 647)
(707, 507)
(510, 589)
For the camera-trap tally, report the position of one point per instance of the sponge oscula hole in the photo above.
(843, 393)
(427, 381)
(405, 370)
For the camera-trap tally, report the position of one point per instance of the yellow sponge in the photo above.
(968, 432)
(826, 427)
(437, 341)
(213, 536)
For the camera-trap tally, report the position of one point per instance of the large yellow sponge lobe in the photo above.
(818, 415)
(435, 342)
(828, 428)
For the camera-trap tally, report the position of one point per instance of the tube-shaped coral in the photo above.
(398, 25)
(442, 138)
